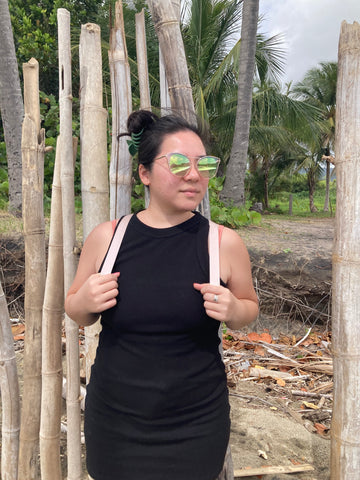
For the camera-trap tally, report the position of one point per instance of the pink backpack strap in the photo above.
(214, 256)
(115, 245)
(221, 229)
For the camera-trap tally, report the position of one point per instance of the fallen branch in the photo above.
(249, 472)
(300, 393)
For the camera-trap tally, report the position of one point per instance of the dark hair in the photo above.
(154, 129)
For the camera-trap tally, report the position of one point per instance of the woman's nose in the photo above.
(193, 173)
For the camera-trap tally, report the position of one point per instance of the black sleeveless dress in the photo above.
(157, 403)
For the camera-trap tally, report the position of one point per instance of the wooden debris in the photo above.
(249, 472)
(293, 371)
(265, 372)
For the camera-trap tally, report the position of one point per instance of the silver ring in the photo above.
(216, 298)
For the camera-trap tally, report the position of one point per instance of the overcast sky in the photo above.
(311, 29)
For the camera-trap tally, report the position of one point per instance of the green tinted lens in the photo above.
(179, 164)
(208, 166)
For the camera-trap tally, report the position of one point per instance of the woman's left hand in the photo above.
(219, 302)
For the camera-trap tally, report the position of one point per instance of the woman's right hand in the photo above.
(96, 294)
(92, 292)
(99, 292)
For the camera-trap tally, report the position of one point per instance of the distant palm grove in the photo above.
(291, 129)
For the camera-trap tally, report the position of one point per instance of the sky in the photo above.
(311, 30)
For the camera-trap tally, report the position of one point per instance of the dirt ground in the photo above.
(291, 262)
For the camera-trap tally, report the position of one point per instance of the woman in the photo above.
(157, 403)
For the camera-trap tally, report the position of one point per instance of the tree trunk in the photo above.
(234, 186)
(311, 183)
(33, 148)
(94, 168)
(345, 442)
(266, 169)
(69, 242)
(172, 48)
(142, 63)
(10, 401)
(11, 107)
(53, 312)
(166, 18)
(121, 162)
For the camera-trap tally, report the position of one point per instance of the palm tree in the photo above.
(319, 88)
(280, 127)
(211, 32)
(234, 186)
(208, 31)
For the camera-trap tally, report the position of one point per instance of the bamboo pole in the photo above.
(33, 148)
(345, 442)
(120, 164)
(166, 18)
(141, 54)
(94, 168)
(9, 388)
(69, 241)
(93, 141)
(142, 63)
(167, 27)
(53, 313)
(165, 102)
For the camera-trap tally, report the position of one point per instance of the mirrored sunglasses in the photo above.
(180, 165)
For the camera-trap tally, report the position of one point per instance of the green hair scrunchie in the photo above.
(134, 142)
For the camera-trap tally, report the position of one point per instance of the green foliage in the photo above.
(49, 112)
(229, 216)
(35, 33)
(138, 197)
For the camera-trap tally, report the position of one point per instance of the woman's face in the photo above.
(168, 191)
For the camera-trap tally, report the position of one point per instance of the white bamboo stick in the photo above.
(142, 63)
(345, 442)
(94, 167)
(53, 314)
(120, 173)
(69, 241)
(33, 148)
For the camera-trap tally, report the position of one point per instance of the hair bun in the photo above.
(140, 120)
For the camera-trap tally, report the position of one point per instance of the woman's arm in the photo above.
(91, 292)
(237, 303)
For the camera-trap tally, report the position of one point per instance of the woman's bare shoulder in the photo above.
(97, 243)
(231, 240)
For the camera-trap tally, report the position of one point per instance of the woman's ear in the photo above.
(144, 174)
